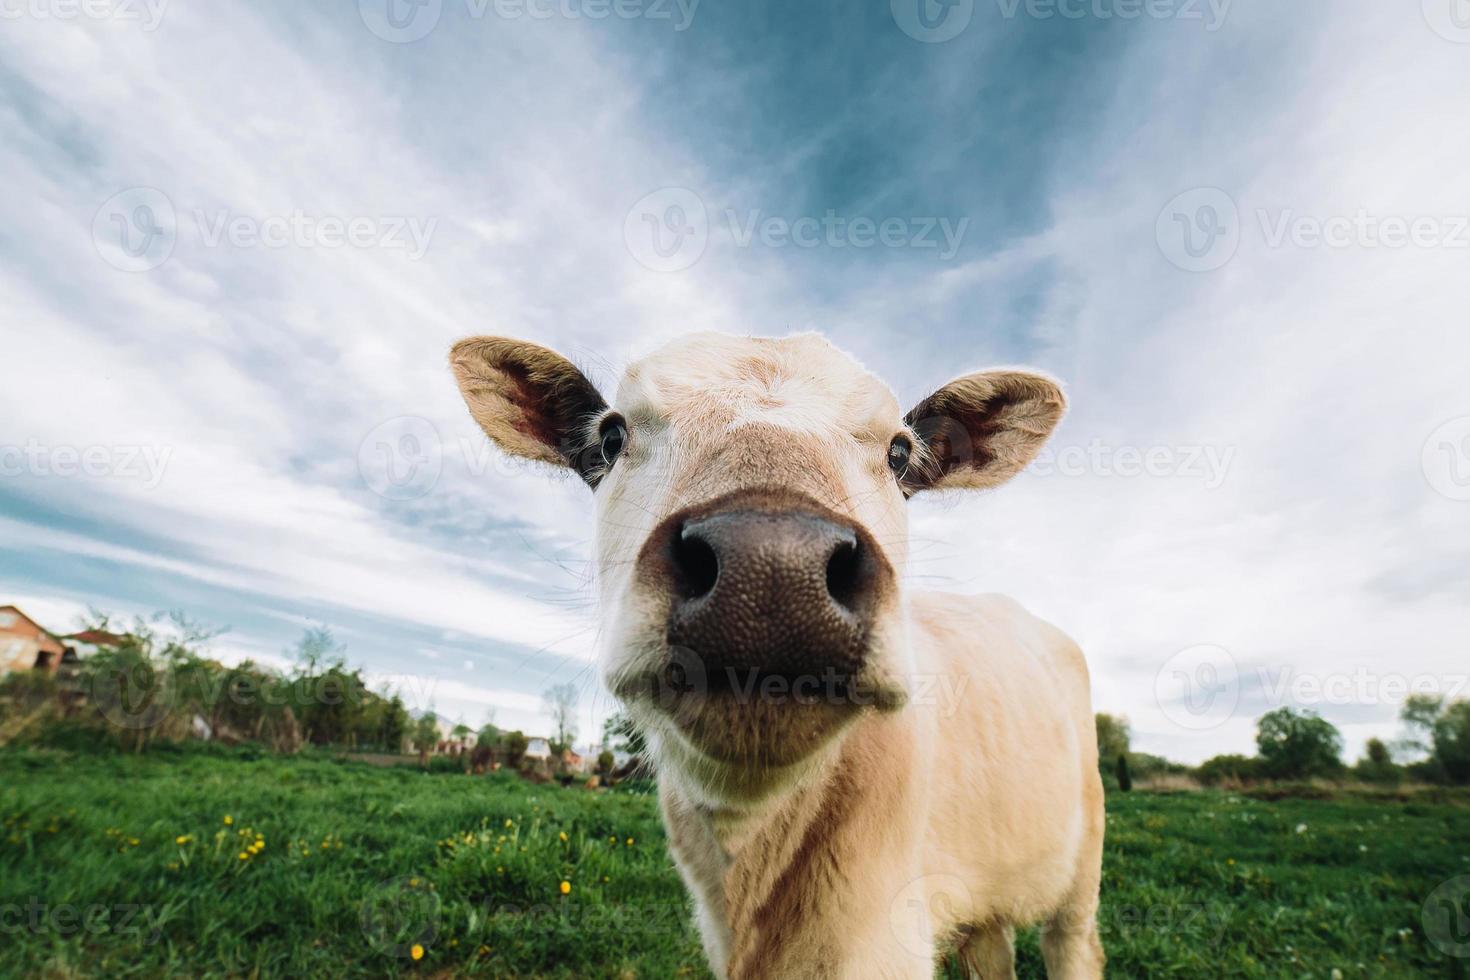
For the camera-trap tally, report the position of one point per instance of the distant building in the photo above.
(26, 645)
(538, 749)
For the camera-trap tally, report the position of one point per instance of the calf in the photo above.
(855, 776)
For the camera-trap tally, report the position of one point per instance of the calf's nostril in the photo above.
(696, 566)
(844, 569)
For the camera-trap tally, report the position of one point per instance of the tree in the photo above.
(619, 733)
(1376, 766)
(560, 701)
(1297, 744)
(605, 763)
(515, 749)
(426, 733)
(1125, 781)
(1112, 736)
(461, 732)
(1442, 731)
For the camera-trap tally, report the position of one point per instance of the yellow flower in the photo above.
(509, 822)
(244, 856)
(182, 839)
(563, 836)
(229, 820)
(630, 842)
(566, 888)
(417, 952)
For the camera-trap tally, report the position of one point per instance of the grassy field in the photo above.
(204, 864)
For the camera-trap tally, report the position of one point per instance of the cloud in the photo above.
(275, 382)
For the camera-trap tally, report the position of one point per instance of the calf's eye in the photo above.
(899, 451)
(613, 435)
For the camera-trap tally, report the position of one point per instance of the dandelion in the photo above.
(1301, 828)
(1230, 860)
(182, 839)
(566, 888)
(563, 836)
(509, 822)
(229, 820)
(244, 856)
(417, 952)
(630, 842)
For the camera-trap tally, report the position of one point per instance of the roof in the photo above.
(100, 638)
(22, 615)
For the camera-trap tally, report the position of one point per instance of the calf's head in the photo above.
(751, 527)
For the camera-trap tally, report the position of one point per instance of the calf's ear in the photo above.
(531, 401)
(982, 429)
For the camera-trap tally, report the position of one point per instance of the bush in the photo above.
(1227, 768)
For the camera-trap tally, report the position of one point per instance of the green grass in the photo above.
(359, 864)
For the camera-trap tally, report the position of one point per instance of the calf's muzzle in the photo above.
(764, 585)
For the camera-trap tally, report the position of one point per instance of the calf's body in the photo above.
(946, 824)
(855, 776)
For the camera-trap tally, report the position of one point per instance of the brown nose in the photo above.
(759, 592)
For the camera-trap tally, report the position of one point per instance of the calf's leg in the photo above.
(989, 952)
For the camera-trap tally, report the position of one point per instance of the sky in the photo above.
(237, 242)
